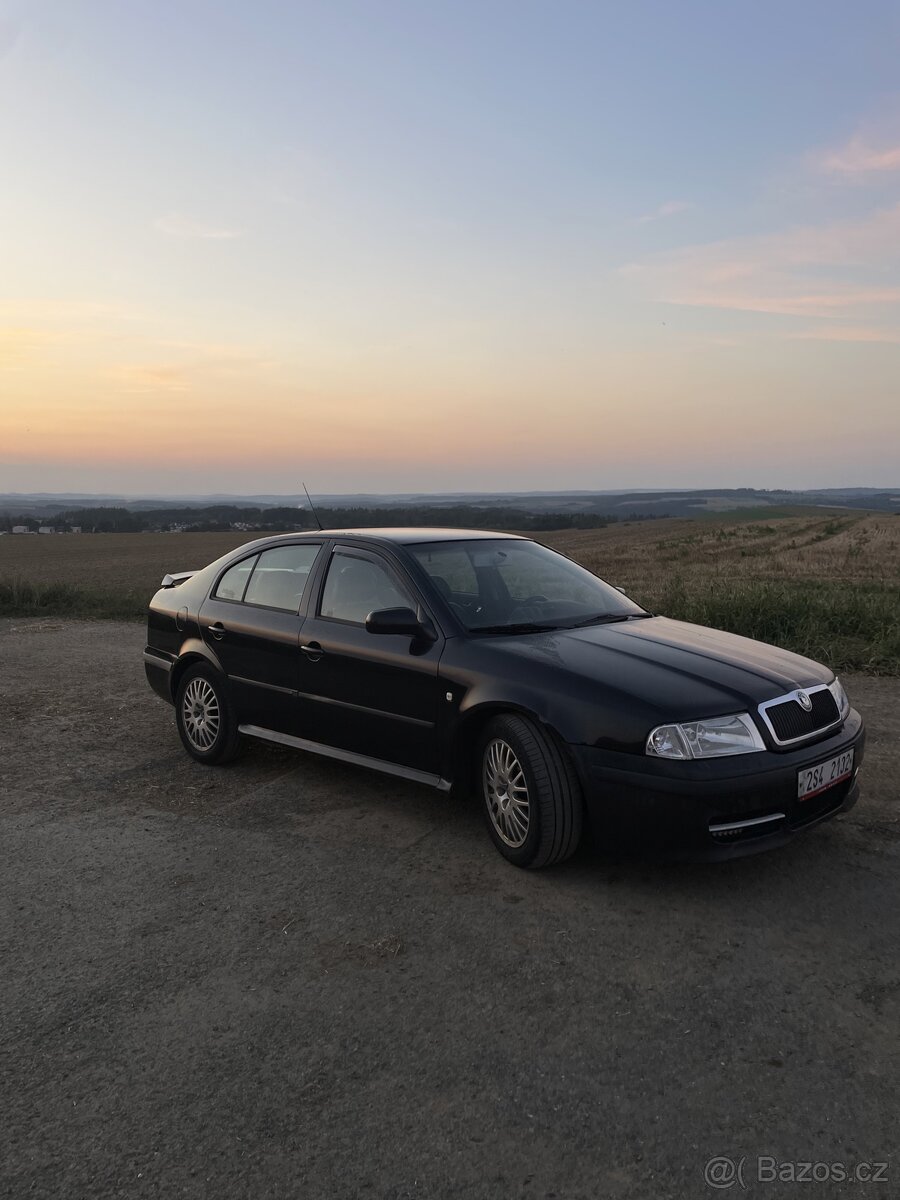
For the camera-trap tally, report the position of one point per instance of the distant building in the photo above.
(47, 529)
(75, 529)
(20, 528)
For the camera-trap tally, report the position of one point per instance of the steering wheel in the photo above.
(532, 600)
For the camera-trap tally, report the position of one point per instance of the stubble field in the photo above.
(823, 582)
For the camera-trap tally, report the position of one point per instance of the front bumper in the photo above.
(712, 808)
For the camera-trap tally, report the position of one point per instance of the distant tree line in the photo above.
(227, 517)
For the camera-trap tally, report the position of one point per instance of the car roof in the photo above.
(409, 535)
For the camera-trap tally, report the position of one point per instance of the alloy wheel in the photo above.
(200, 714)
(506, 793)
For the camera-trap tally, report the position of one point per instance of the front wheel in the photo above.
(205, 718)
(531, 795)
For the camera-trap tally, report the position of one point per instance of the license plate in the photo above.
(813, 780)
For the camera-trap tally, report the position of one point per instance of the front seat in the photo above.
(357, 592)
(442, 586)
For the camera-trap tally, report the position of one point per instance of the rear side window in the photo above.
(232, 584)
(280, 576)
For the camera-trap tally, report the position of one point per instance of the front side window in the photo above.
(505, 583)
(234, 581)
(356, 586)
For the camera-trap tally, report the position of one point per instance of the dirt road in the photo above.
(290, 978)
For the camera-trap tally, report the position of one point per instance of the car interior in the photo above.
(357, 587)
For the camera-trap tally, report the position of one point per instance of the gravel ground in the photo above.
(291, 978)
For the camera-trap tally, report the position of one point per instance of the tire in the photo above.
(205, 716)
(530, 793)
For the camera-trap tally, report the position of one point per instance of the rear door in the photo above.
(252, 621)
(374, 694)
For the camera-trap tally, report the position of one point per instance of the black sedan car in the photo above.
(489, 662)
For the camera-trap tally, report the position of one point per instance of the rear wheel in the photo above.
(205, 717)
(531, 795)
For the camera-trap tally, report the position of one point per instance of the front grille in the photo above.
(789, 721)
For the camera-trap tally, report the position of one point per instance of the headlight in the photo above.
(712, 738)
(840, 697)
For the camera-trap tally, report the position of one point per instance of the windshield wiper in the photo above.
(548, 626)
(605, 619)
(520, 627)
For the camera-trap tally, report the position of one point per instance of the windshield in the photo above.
(518, 586)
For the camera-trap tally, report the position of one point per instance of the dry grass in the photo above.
(110, 560)
(643, 558)
(99, 574)
(824, 583)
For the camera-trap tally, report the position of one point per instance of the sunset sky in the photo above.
(401, 246)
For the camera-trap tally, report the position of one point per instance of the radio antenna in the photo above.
(312, 506)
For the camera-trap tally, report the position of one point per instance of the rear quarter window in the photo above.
(232, 584)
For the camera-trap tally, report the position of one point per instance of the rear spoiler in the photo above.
(170, 581)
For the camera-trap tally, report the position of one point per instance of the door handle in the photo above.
(217, 629)
(313, 651)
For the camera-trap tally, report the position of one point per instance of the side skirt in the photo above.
(348, 756)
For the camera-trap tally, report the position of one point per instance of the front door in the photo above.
(374, 694)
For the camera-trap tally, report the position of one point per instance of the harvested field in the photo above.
(98, 574)
(854, 548)
(825, 583)
(111, 561)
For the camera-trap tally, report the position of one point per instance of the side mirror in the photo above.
(620, 589)
(394, 620)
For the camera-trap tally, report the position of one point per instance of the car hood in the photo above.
(674, 668)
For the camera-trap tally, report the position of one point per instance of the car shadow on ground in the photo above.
(356, 809)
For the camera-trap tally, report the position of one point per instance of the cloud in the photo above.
(188, 366)
(10, 32)
(65, 312)
(220, 354)
(832, 303)
(861, 156)
(820, 271)
(178, 226)
(137, 379)
(669, 209)
(17, 344)
(843, 333)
